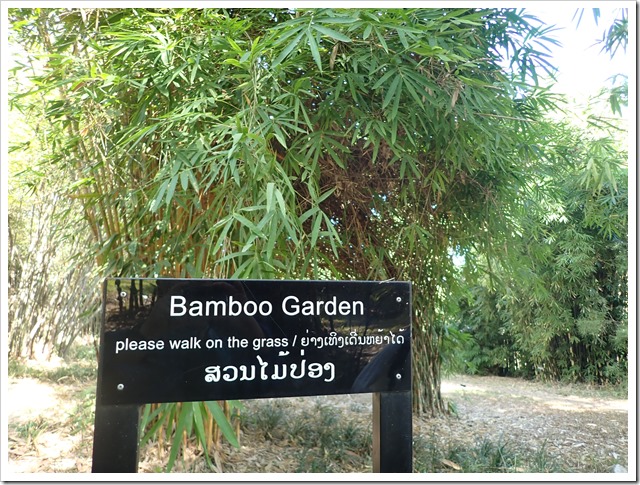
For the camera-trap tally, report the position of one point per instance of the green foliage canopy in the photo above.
(557, 308)
(311, 143)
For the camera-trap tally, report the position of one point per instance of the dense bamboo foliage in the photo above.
(307, 144)
(53, 288)
(557, 308)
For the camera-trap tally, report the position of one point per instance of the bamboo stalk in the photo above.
(209, 423)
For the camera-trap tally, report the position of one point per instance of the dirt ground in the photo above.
(577, 425)
(48, 430)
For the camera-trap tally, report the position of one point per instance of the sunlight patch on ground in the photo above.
(581, 404)
(28, 398)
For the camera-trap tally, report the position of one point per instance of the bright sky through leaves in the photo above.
(583, 68)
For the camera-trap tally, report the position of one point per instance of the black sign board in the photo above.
(179, 340)
(171, 340)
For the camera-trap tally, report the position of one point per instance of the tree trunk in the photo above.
(426, 370)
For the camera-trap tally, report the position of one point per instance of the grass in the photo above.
(329, 442)
(30, 430)
(268, 420)
(323, 440)
(616, 391)
(83, 414)
(484, 456)
(79, 366)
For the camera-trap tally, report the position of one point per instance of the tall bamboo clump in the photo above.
(110, 190)
(280, 143)
(53, 290)
(53, 296)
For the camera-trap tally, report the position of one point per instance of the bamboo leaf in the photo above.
(366, 32)
(331, 33)
(315, 230)
(224, 233)
(201, 434)
(315, 52)
(287, 50)
(157, 424)
(157, 201)
(326, 195)
(281, 203)
(270, 199)
(171, 189)
(184, 179)
(384, 78)
(272, 239)
(382, 40)
(184, 419)
(309, 213)
(403, 39)
(392, 91)
(334, 237)
(246, 223)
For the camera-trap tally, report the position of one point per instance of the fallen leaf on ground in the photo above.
(450, 464)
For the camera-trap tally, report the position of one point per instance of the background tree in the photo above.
(53, 292)
(561, 305)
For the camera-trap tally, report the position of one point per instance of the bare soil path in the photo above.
(585, 429)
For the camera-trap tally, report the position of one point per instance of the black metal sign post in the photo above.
(115, 439)
(392, 432)
(181, 340)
